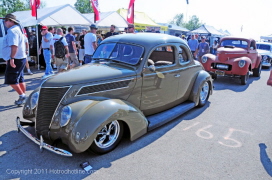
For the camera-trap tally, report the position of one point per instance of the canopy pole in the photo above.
(37, 36)
(38, 47)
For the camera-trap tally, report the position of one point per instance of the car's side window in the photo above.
(253, 45)
(182, 55)
(162, 56)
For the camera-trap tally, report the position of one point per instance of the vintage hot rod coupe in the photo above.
(235, 57)
(265, 50)
(136, 82)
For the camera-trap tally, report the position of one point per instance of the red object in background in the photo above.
(95, 9)
(130, 15)
(34, 4)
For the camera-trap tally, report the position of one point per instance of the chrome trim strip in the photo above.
(172, 70)
(235, 53)
(103, 91)
(42, 144)
(100, 84)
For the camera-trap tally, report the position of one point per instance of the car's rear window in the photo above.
(234, 42)
(127, 53)
(263, 47)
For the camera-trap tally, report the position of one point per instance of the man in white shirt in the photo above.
(61, 63)
(90, 43)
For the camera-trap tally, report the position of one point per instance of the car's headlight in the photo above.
(204, 59)
(34, 100)
(65, 116)
(265, 58)
(242, 63)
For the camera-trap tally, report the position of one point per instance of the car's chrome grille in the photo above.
(48, 102)
(103, 87)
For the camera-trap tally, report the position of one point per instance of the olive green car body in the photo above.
(100, 93)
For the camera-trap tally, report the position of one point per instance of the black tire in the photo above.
(257, 71)
(117, 131)
(204, 94)
(244, 78)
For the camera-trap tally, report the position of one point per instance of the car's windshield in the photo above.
(263, 47)
(234, 42)
(127, 53)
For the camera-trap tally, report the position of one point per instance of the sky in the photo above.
(252, 16)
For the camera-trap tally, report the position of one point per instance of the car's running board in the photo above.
(159, 119)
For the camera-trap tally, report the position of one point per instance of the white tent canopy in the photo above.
(64, 15)
(269, 37)
(107, 19)
(207, 30)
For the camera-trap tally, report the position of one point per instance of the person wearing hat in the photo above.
(90, 43)
(111, 33)
(14, 53)
(203, 48)
(46, 38)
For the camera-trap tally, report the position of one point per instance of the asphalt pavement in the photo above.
(229, 138)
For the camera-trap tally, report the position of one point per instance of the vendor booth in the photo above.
(142, 21)
(209, 31)
(173, 29)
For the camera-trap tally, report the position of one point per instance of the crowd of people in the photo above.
(65, 51)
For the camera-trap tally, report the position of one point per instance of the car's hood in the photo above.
(264, 52)
(88, 73)
(225, 54)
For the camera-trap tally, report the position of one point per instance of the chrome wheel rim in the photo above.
(108, 135)
(204, 92)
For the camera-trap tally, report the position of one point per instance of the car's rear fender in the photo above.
(202, 77)
(93, 118)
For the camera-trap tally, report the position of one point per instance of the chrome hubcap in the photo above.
(204, 92)
(108, 135)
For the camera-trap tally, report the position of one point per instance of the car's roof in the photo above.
(238, 38)
(144, 39)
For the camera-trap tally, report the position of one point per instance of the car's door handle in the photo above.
(177, 75)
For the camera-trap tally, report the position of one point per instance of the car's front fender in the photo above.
(202, 77)
(93, 117)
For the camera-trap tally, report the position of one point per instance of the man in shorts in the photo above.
(70, 38)
(14, 52)
(61, 63)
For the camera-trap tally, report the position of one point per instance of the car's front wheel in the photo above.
(257, 71)
(108, 138)
(244, 78)
(204, 94)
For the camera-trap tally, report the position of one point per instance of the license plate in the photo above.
(220, 73)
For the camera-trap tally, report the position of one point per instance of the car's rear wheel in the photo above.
(257, 71)
(204, 94)
(244, 78)
(108, 138)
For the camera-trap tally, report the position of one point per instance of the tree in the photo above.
(193, 23)
(83, 6)
(178, 20)
(10, 6)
